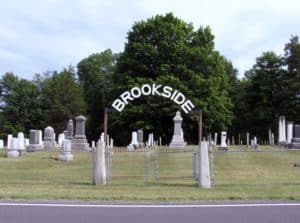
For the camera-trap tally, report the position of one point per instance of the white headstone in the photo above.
(66, 152)
(21, 141)
(100, 167)
(9, 138)
(41, 138)
(216, 138)
(61, 138)
(13, 148)
(223, 145)
(204, 176)
(134, 142)
(282, 131)
(1, 144)
(289, 132)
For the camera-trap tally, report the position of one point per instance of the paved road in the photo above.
(72, 213)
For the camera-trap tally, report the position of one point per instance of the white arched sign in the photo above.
(153, 89)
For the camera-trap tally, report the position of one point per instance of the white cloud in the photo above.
(40, 35)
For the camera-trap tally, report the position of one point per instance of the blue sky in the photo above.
(39, 36)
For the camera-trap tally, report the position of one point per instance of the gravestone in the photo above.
(282, 131)
(1, 144)
(140, 138)
(216, 138)
(34, 141)
(13, 148)
(223, 145)
(70, 130)
(289, 132)
(41, 138)
(26, 143)
(49, 138)
(66, 152)
(177, 139)
(247, 138)
(21, 143)
(79, 141)
(134, 142)
(61, 138)
(150, 140)
(296, 138)
(9, 138)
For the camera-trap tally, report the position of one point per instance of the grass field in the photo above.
(238, 175)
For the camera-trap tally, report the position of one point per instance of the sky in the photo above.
(39, 36)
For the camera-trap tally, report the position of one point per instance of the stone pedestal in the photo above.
(177, 139)
(66, 152)
(79, 141)
(223, 145)
(70, 130)
(49, 138)
(295, 144)
(34, 141)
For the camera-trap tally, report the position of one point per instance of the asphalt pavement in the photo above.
(17, 212)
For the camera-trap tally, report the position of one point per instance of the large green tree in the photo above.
(167, 50)
(95, 73)
(262, 98)
(21, 105)
(291, 82)
(62, 97)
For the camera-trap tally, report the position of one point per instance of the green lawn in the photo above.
(238, 175)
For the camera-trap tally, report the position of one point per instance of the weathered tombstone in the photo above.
(204, 179)
(232, 140)
(61, 138)
(49, 138)
(150, 140)
(273, 139)
(177, 139)
(282, 131)
(21, 143)
(223, 145)
(289, 132)
(140, 138)
(216, 138)
(254, 144)
(9, 138)
(34, 143)
(65, 133)
(1, 144)
(26, 143)
(111, 144)
(134, 142)
(93, 145)
(160, 141)
(270, 136)
(41, 138)
(70, 130)
(100, 167)
(66, 152)
(13, 148)
(247, 138)
(296, 138)
(79, 141)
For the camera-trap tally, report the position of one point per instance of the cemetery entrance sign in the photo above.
(153, 89)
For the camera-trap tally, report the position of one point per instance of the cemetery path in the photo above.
(129, 213)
